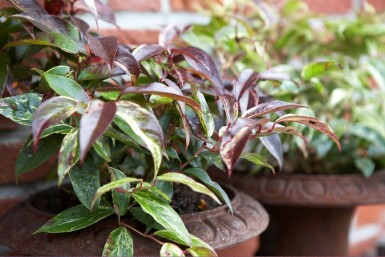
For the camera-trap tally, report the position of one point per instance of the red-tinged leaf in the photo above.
(234, 141)
(274, 145)
(127, 62)
(49, 23)
(313, 123)
(27, 6)
(54, 7)
(269, 107)
(51, 112)
(143, 126)
(95, 121)
(182, 111)
(162, 90)
(231, 107)
(201, 62)
(289, 130)
(104, 10)
(168, 34)
(246, 80)
(82, 25)
(105, 47)
(145, 51)
(99, 72)
(92, 7)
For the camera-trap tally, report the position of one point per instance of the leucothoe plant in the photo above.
(127, 123)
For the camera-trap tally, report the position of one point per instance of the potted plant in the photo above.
(129, 127)
(336, 68)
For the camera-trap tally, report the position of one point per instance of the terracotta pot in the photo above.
(217, 227)
(309, 214)
(7, 124)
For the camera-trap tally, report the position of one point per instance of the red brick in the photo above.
(7, 204)
(187, 5)
(378, 4)
(330, 6)
(373, 214)
(135, 5)
(132, 37)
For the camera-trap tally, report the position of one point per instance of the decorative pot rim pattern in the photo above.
(218, 227)
(312, 190)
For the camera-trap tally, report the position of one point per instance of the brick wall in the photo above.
(140, 22)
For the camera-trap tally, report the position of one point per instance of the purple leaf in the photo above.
(51, 112)
(201, 62)
(127, 62)
(104, 11)
(105, 47)
(95, 121)
(162, 90)
(82, 25)
(313, 123)
(168, 34)
(182, 111)
(274, 145)
(92, 7)
(269, 107)
(246, 80)
(145, 51)
(231, 107)
(49, 23)
(99, 71)
(234, 141)
(28, 6)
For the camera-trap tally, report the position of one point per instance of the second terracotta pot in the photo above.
(309, 214)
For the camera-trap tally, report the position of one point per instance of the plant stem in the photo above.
(142, 234)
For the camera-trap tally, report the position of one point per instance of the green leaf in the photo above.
(215, 187)
(68, 154)
(166, 188)
(60, 70)
(75, 218)
(169, 249)
(200, 248)
(119, 243)
(317, 69)
(53, 39)
(85, 180)
(169, 235)
(120, 199)
(163, 213)
(365, 165)
(112, 185)
(102, 148)
(257, 159)
(66, 87)
(28, 160)
(205, 117)
(56, 129)
(195, 186)
(145, 218)
(145, 125)
(20, 108)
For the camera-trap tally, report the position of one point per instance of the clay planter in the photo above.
(217, 227)
(7, 124)
(309, 214)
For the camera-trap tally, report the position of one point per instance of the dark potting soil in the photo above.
(184, 201)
